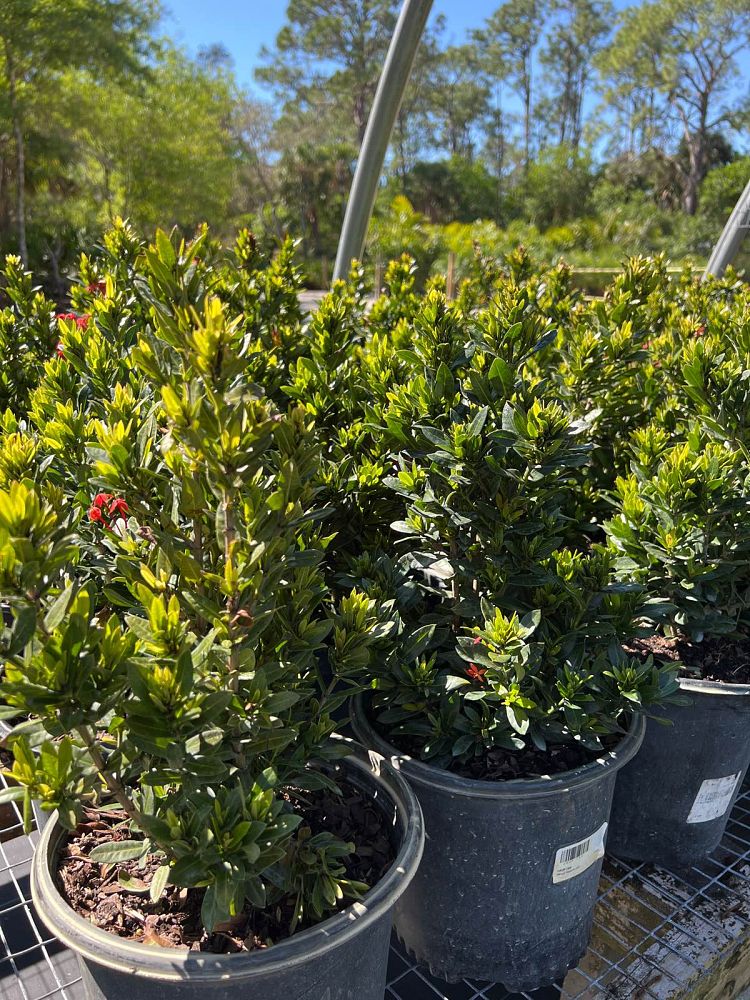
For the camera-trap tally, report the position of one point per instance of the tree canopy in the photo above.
(550, 114)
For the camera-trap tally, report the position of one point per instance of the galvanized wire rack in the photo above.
(657, 934)
(33, 965)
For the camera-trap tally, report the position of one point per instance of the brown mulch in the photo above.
(95, 892)
(724, 659)
(499, 764)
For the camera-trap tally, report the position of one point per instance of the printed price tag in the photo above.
(714, 798)
(576, 858)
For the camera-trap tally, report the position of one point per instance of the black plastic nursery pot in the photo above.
(508, 883)
(673, 800)
(342, 958)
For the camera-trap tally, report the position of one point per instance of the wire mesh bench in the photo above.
(658, 934)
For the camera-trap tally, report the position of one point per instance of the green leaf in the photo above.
(119, 850)
(117, 597)
(417, 642)
(165, 248)
(23, 629)
(402, 528)
(188, 871)
(436, 437)
(501, 371)
(530, 621)
(58, 608)
(255, 892)
(159, 883)
(462, 744)
(13, 794)
(477, 424)
(219, 902)
(452, 682)
(132, 884)
(280, 701)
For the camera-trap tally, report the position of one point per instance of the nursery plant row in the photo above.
(390, 614)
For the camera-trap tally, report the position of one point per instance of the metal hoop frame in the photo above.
(730, 241)
(393, 80)
(385, 108)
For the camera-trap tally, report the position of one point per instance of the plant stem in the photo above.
(198, 546)
(112, 783)
(454, 583)
(230, 535)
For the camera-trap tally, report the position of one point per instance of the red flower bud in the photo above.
(118, 508)
(80, 321)
(476, 673)
(97, 288)
(106, 509)
(60, 349)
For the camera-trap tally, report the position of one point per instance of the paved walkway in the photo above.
(310, 298)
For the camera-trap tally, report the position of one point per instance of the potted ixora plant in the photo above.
(681, 529)
(209, 835)
(506, 697)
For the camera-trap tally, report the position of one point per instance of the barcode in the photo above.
(571, 853)
(714, 798)
(577, 858)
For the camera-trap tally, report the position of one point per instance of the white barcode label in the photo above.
(576, 858)
(714, 798)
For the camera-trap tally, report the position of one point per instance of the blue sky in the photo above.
(244, 25)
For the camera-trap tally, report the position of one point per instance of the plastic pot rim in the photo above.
(697, 686)
(425, 774)
(180, 964)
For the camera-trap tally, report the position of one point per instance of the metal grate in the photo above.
(33, 965)
(657, 934)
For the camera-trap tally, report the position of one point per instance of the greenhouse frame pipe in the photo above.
(730, 241)
(393, 80)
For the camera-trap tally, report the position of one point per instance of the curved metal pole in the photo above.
(730, 241)
(390, 92)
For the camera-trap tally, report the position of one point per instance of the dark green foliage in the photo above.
(463, 478)
(28, 336)
(227, 517)
(681, 529)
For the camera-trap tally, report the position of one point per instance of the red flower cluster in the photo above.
(476, 673)
(80, 321)
(97, 288)
(105, 509)
(700, 331)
